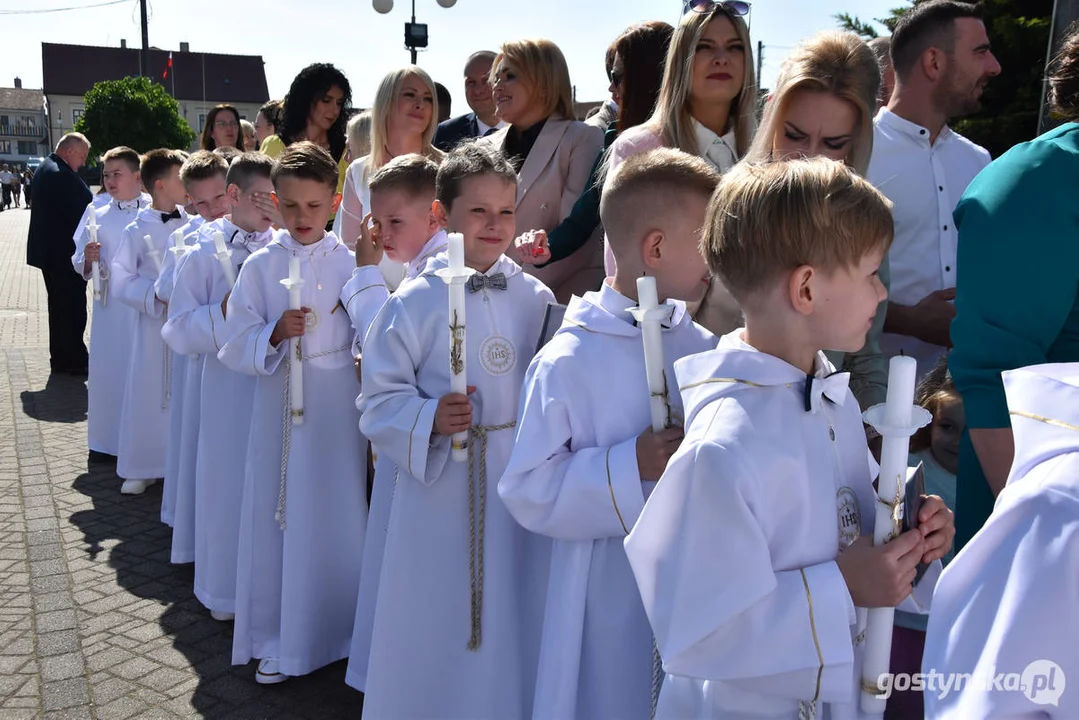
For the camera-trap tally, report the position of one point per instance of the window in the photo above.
(202, 121)
(76, 113)
(5, 147)
(28, 147)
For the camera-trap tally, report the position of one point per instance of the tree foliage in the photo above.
(1019, 35)
(136, 112)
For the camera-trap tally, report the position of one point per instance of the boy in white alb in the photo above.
(755, 549)
(144, 419)
(406, 229)
(203, 175)
(585, 457)
(304, 508)
(460, 598)
(112, 327)
(1006, 605)
(196, 326)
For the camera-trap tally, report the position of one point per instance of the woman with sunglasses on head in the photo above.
(221, 129)
(638, 57)
(823, 104)
(706, 107)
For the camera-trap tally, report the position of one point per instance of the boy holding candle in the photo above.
(196, 326)
(754, 554)
(113, 324)
(405, 228)
(460, 598)
(144, 419)
(203, 175)
(304, 509)
(586, 456)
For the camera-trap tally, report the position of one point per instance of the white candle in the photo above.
(152, 251)
(455, 277)
(224, 256)
(650, 315)
(293, 283)
(896, 424)
(95, 266)
(179, 247)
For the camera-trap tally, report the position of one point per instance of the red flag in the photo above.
(168, 66)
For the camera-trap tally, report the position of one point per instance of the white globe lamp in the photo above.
(446, 3)
(382, 6)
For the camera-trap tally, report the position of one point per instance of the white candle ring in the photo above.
(661, 312)
(876, 417)
(449, 276)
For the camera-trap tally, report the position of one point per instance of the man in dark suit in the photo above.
(59, 199)
(483, 120)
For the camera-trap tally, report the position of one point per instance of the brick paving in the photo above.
(94, 621)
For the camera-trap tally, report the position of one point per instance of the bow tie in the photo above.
(834, 387)
(479, 281)
(245, 237)
(128, 205)
(667, 322)
(174, 215)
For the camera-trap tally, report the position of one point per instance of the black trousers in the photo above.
(67, 318)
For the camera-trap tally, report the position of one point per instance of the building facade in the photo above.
(198, 81)
(23, 128)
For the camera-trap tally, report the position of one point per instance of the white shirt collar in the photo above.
(432, 247)
(720, 151)
(911, 129)
(484, 127)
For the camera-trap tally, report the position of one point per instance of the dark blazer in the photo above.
(452, 131)
(58, 199)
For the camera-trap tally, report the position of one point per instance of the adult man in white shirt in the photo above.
(942, 61)
(483, 120)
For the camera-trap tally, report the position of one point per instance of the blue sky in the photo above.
(349, 33)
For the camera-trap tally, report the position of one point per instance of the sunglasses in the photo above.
(731, 7)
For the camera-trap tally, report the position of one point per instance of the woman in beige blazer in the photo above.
(552, 153)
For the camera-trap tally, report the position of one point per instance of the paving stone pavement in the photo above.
(94, 621)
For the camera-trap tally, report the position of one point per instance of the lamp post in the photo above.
(415, 33)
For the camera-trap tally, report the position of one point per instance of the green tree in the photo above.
(136, 112)
(1019, 35)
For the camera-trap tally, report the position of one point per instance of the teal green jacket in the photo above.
(1017, 290)
(1018, 271)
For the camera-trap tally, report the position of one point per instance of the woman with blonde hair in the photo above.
(358, 133)
(823, 104)
(403, 121)
(552, 152)
(706, 107)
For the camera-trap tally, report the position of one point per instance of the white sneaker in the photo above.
(222, 616)
(268, 673)
(135, 487)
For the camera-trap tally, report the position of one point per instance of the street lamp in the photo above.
(415, 33)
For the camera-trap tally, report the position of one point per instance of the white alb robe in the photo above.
(179, 449)
(144, 420)
(734, 552)
(363, 296)
(1007, 603)
(573, 476)
(112, 326)
(420, 665)
(296, 589)
(196, 326)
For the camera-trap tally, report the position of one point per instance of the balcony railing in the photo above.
(23, 130)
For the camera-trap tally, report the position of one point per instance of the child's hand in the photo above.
(936, 523)
(369, 243)
(92, 252)
(266, 206)
(291, 324)
(454, 413)
(654, 451)
(881, 576)
(532, 248)
(224, 304)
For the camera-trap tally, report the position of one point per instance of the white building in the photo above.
(23, 131)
